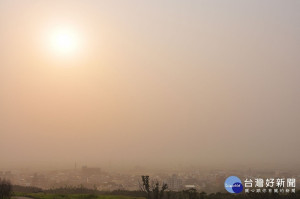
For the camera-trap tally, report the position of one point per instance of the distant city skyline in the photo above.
(209, 180)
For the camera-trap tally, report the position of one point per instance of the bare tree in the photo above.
(153, 190)
(5, 189)
(144, 186)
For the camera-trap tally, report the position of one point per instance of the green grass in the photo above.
(72, 196)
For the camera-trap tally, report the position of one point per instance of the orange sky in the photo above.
(161, 83)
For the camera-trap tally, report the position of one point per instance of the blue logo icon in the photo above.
(233, 184)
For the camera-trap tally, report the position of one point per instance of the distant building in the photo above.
(174, 183)
(190, 186)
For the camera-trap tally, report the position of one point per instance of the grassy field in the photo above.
(72, 196)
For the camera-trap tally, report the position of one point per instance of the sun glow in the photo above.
(64, 41)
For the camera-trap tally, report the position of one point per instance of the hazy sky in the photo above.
(151, 82)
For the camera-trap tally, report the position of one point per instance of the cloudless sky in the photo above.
(160, 83)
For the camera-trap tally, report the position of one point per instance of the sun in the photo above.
(64, 41)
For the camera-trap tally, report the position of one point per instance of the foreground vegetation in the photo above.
(148, 190)
(72, 196)
(187, 194)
